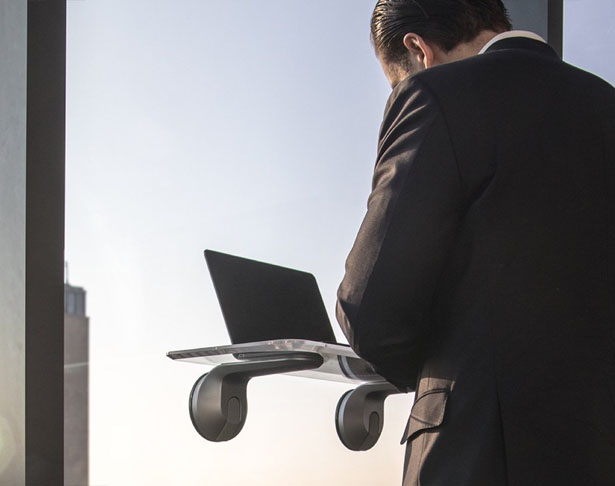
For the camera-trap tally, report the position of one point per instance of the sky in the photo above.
(245, 127)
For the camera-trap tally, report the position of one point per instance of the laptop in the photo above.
(264, 302)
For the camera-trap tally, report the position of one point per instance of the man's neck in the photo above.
(467, 49)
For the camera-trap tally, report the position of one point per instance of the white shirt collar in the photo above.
(509, 34)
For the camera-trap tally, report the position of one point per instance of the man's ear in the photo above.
(419, 50)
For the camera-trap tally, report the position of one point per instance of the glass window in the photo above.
(589, 36)
(245, 127)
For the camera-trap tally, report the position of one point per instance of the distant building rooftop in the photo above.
(74, 300)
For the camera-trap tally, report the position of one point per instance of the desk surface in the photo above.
(340, 362)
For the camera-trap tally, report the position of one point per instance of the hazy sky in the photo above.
(246, 127)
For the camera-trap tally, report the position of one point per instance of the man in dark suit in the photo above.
(483, 275)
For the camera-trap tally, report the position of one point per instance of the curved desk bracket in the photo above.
(218, 401)
(360, 415)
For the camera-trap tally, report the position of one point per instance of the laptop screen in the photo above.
(262, 302)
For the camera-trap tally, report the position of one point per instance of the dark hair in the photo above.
(447, 23)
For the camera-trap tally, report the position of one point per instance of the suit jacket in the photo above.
(483, 275)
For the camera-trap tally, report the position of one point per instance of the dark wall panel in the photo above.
(45, 242)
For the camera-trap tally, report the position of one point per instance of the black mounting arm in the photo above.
(360, 415)
(218, 402)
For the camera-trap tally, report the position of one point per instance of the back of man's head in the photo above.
(446, 23)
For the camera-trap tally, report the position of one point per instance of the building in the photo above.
(76, 371)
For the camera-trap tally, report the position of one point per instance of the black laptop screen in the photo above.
(262, 302)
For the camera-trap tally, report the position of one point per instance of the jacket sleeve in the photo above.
(412, 216)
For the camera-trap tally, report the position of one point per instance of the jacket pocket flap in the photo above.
(427, 412)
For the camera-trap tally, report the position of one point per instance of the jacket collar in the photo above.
(512, 33)
(522, 43)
